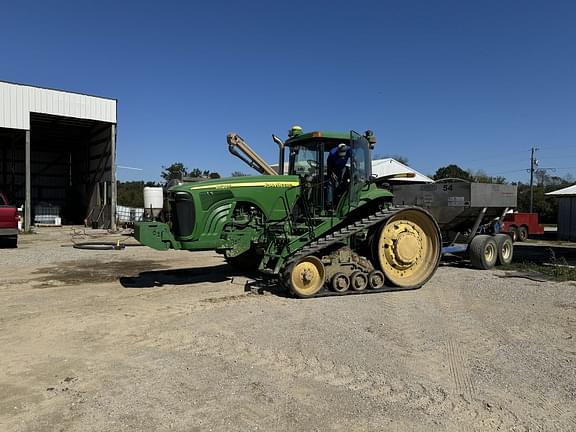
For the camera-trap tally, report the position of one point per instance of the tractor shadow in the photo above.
(159, 278)
(253, 282)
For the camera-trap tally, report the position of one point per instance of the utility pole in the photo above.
(533, 165)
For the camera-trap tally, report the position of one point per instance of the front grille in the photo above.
(182, 210)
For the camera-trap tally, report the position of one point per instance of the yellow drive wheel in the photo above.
(307, 277)
(408, 248)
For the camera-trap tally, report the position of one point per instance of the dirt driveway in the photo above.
(139, 340)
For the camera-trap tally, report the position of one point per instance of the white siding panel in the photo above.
(7, 105)
(45, 102)
(12, 113)
(4, 106)
(18, 101)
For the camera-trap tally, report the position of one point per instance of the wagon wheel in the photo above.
(505, 248)
(483, 252)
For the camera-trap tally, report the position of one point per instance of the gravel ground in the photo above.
(140, 340)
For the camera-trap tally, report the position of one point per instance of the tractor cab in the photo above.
(333, 167)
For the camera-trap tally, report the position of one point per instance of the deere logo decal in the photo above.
(288, 184)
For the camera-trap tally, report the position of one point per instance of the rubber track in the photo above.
(342, 234)
(337, 237)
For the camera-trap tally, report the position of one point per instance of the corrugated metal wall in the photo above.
(567, 218)
(18, 101)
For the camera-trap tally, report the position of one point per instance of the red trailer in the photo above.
(521, 225)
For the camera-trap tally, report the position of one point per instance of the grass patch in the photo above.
(555, 268)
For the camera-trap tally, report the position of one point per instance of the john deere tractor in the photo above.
(352, 240)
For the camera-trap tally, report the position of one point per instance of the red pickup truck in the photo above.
(8, 223)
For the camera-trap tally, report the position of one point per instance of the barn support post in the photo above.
(28, 203)
(113, 191)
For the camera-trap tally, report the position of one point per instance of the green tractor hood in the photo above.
(202, 210)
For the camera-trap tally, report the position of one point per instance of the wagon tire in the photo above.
(505, 248)
(483, 252)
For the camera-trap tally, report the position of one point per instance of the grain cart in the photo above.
(283, 225)
(469, 215)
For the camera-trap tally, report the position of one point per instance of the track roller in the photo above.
(358, 280)
(340, 282)
(376, 279)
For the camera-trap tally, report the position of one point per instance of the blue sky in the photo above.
(440, 82)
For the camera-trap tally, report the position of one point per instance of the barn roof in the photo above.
(19, 101)
(570, 190)
(389, 166)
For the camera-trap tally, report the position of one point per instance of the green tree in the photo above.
(452, 171)
(480, 176)
(131, 193)
(198, 173)
(238, 174)
(178, 171)
(175, 171)
(545, 206)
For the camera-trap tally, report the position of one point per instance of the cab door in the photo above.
(306, 161)
(360, 166)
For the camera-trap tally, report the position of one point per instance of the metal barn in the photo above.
(566, 212)
(57, 155)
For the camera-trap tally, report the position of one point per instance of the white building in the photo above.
(58, 152)
(566, 212)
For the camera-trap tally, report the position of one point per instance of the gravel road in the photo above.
(140, 340)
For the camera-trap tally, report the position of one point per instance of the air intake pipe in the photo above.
(238, 147)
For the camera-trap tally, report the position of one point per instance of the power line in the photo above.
(511, 171)
(499, 158)
(533, 163)
(557, 147)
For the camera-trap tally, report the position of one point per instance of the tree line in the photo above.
(130, 193)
